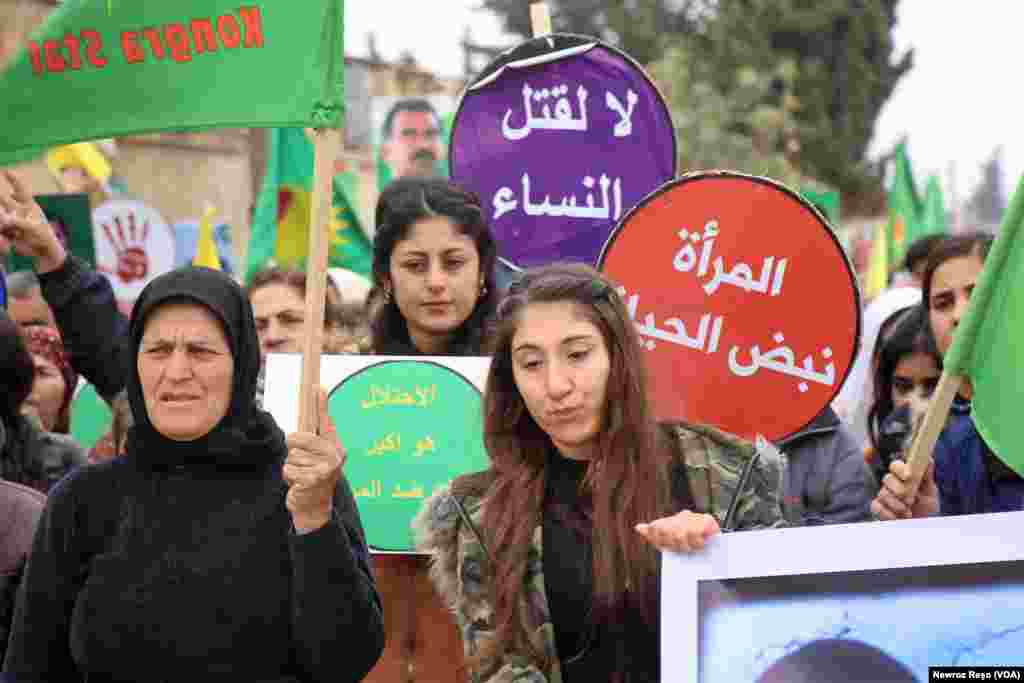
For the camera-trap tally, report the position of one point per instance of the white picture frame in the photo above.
(866, 546)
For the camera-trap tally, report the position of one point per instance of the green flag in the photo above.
(826, 201)
(933, 213)
(989, 342)
(105, 68)
(280, 225)
(349, 247)
(904, 206)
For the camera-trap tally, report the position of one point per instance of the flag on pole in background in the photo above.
(280, 225)
(989, 342)
(206, 248)
(904, 206)
(933, 212)
(97, 69)
(877, 278)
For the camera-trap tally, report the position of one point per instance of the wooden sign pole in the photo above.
(540, 19)
(327, 142)
(934, 420)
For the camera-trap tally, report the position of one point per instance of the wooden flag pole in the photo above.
(327, 142)
(934, 420)
(540, 19)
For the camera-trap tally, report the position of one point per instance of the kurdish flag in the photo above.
(106, 68)
(904, 206)
(280, 226)
(989, 342)
(877, 278)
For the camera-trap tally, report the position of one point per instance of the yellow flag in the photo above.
(85, 155)
(206, 248)
(878, 266)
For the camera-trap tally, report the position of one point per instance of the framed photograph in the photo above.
(875, 601)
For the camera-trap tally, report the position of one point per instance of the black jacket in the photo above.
(34, 458)
(827, 479)
(94, 331)
(192, 575)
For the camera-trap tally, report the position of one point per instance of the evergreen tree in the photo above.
(843, 53)
(631, 25)
(803, 81)
(988, 201)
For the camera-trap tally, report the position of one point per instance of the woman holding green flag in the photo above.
(967, 477)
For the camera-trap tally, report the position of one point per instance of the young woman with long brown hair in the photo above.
(550, 558)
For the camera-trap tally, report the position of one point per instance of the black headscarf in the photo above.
(246, 437)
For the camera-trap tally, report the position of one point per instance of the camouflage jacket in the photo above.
(727, 477)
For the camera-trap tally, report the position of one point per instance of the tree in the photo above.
(845, 72)
(738, 131)
(805, 77)
(631, 25)
(988, 201)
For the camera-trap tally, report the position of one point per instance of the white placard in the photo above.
(942, 620)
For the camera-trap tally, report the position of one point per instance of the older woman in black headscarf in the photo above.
(216, 549)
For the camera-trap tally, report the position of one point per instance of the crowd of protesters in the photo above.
(268, 575)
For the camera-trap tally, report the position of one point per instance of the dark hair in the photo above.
(920, 249)
(626, 481)
(412, 104)
(975, 244)
(18, 370)
(22, 284)
(908, 335)
(838, 660)
(403, 203)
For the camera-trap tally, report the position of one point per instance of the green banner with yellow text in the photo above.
(412, 426)
(106, 68)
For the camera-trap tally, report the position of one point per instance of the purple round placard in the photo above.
(560, 138)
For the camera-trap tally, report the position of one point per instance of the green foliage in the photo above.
(632, 25)
(740, 131)
(842, 54)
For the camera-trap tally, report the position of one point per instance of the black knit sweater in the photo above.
(192, 573)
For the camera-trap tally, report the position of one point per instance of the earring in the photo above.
(483, 291)
(387, 296)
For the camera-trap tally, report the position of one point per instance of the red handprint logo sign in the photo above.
(129, 245)
(133, 245)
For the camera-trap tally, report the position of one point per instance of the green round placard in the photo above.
(409, 427)
(90, 417)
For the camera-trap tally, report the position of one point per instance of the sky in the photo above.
(961, 100)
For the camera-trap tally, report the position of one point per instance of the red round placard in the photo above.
(746, 304)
